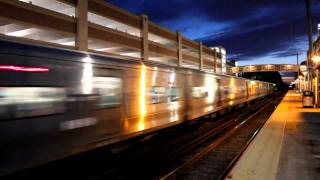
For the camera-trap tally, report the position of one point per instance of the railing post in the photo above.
(81, 42)
(179, 50)
(200, 56)
(144, 37)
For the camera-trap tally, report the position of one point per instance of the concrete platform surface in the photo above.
(287, 147)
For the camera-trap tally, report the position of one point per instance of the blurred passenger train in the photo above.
(56, 103)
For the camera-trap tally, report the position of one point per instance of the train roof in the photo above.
(28, 49)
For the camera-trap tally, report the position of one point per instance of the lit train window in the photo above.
(159, 95)
(174, 94)
(20, 102)
(164, 94)
(199, 92)
(109, 90)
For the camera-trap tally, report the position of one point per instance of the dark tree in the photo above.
(273, 77)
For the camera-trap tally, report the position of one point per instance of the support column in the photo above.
(179, 50)
(81, 39)
(200, 56)
(215, 60)
(144, 38)
(317, 88)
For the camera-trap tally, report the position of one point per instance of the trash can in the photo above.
(307, 99)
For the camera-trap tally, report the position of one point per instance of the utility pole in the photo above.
(298, 70)
(309, 70)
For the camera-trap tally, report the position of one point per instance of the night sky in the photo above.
(252, 31)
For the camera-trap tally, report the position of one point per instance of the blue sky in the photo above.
(252, 31)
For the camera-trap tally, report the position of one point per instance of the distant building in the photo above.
(222, 57)
(230, 64)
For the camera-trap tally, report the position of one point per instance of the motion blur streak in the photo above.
(142, 95)
(210, 88)
(22, 68)
(87, 78)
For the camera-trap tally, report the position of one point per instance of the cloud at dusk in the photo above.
(252, 31)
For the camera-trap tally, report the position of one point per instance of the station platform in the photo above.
(287, 147)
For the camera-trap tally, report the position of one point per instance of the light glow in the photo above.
(23, 68)
(210, 86)
(174, 106)
(142, 96)
(316, 59)
(71, 43)
(142, 91)
(87, 76)
(172, 78)
(20, 33)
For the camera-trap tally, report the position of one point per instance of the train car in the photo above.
(56, 103)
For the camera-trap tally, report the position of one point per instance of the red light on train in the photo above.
(23, 68)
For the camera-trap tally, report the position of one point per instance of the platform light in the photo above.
(315, 59)
(174, 117)
(71, 43)
(20, 33)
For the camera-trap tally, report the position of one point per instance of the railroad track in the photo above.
(175, 154)
(215, 159)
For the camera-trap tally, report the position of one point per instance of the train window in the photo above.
(199, 92)
(226, 90)
(164, 94)
(174, 94)
(20, 102)
(159, 95)
(109, 90)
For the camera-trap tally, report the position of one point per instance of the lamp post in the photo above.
(316, 60)
(309, 19)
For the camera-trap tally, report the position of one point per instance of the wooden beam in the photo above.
(81, 42)
(144, 38)
(106, 34)
(207, 50)
(179, 49)
(162, 50)
(189, 43)
(69, 2)
(207, 62)
(190, 58)
(116, 37)
(107, 10)
(200, 57)
(162, 32)
(29, 15)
